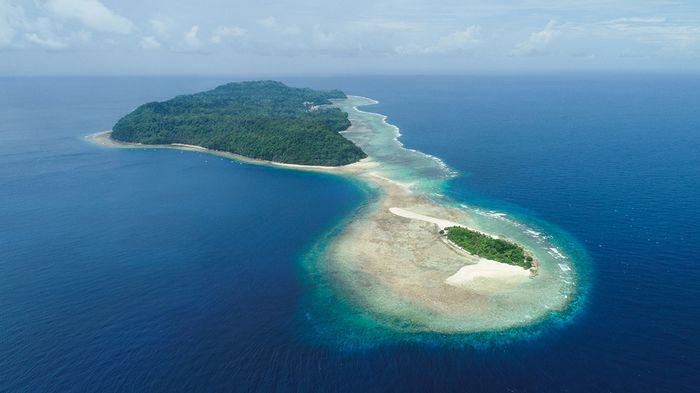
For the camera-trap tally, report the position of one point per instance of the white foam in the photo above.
(558, 254)
(397, 134)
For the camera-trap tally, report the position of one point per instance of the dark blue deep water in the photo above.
(155, 270)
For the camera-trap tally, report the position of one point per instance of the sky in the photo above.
(312, 37)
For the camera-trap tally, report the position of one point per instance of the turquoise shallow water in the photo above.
(125, 270)
(559, 289)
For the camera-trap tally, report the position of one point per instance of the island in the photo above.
(485, 246)
(409, 259)
(263, 120)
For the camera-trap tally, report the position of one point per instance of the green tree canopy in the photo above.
(485, 246)
(264, 119)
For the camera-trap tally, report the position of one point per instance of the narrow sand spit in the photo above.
(441, 224)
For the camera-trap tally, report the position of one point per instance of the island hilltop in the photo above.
(264, 120)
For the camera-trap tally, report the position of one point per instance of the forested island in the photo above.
(264, 120)
(485, 246)
(395, 270)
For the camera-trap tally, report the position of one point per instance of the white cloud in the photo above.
(10, 17)
(191, 39)
(655, 30)
(623, 21)
(45, 42)
(225, 32)
(411, 37)
(150, 43)
(290, 30)
(271, 23)
(161, 26)
(7, 35)
(456, 41)
(384, 24)
(323, 39)
(91, 13)
(20, 31)
(538, 42)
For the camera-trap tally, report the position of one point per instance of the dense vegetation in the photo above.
(487, 247)
(266, 120)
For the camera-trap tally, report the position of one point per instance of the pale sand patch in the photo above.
(442, 224)
(487, 274)
(195, 147)
(406, 186)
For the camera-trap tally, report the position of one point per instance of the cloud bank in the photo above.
(319, 35)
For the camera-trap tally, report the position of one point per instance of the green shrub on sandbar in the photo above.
(485, 246)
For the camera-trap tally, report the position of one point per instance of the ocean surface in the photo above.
(162, 270)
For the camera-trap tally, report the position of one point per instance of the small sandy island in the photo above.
(478, 276)
(391, 259)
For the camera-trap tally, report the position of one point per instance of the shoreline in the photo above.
(391, 260)
(104, 138)
(397, 130)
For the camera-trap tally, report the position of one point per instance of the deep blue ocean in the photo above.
(168, 271)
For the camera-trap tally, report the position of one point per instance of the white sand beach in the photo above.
(486, 274)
